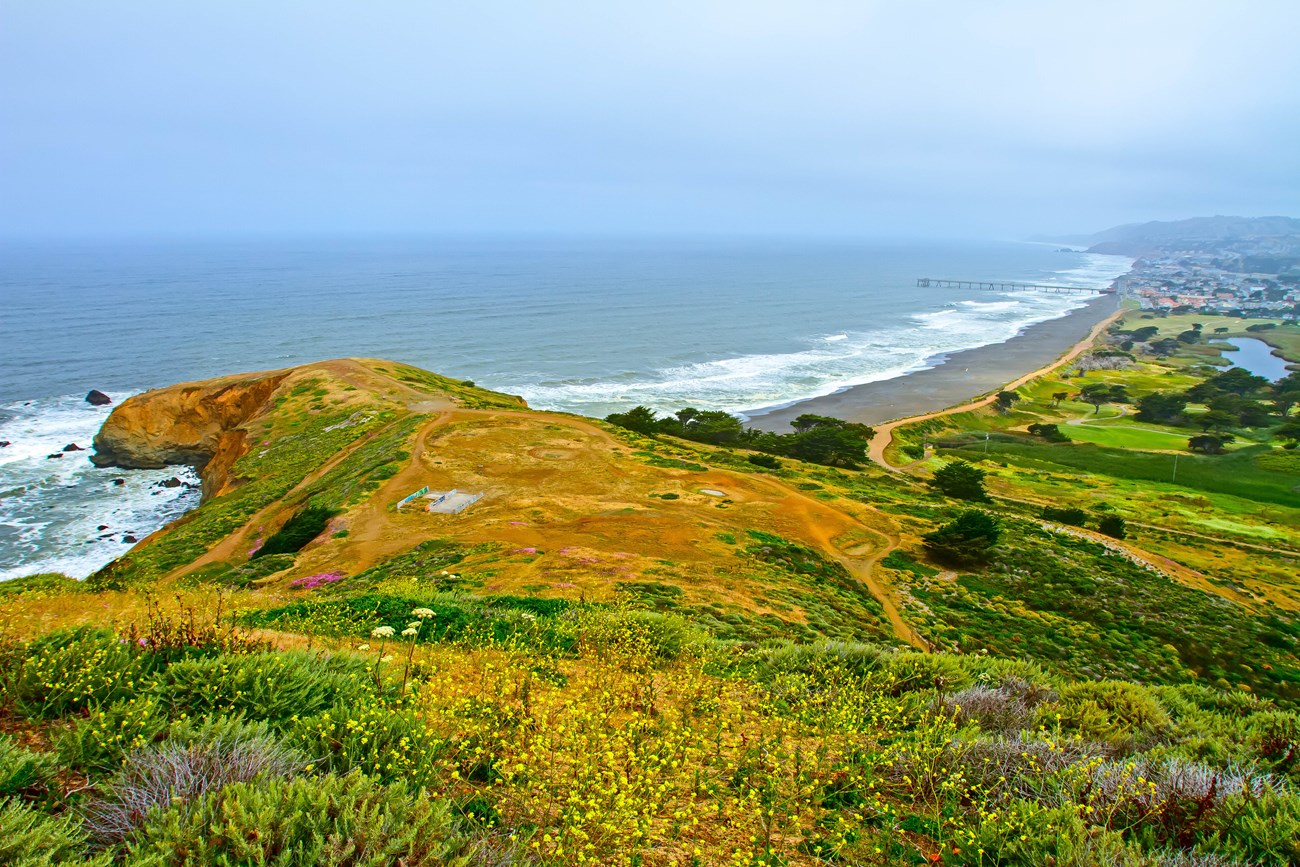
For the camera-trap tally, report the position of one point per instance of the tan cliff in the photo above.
(193, 424)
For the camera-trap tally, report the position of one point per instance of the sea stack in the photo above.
(98, 398)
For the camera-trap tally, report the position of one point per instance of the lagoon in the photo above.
(1257, 357)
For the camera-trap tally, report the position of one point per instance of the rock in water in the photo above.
(119, 482)
(98, 398)
(73, 447)
(129, 539)
(57, 456)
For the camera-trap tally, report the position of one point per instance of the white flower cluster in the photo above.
(382, 632)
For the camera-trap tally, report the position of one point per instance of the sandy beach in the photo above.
(961, 377)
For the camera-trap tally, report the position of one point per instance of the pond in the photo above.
(1257, 357)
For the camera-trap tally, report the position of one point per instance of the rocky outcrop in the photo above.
(193, 424)
(98, 398)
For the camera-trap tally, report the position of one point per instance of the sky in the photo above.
(916, 119)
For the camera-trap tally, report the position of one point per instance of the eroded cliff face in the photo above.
(194, 424)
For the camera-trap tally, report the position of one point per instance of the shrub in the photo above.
(1050, 432)
(765, 461)
(325, 821)
(183, 770)
(912, 671)
(823, 656)
(23, 773)
(72, 670)
(389, 744)
(1074, 516)
(1113, 526)
(1112, 711)
(32, 839)
(967, 540)
(1006, 708)
(262, 686)
(1275, 737)
(300, 529)
(100, 741)
(1169, 802)
(651, 635)
(961, 480)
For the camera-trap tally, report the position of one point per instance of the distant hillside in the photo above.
(1267, 237)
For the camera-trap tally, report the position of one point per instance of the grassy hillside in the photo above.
(642, 650)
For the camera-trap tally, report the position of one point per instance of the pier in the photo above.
(1004, 286)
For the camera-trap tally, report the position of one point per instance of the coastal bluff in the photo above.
(198, 424)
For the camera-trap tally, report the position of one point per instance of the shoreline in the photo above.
(961, 377)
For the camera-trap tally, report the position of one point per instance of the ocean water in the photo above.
(585, 326)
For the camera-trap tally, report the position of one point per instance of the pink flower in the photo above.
(311, 582)
(525, 550)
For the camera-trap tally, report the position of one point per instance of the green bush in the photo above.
(1264, 830)
(102, 739)
(961, 480)
(262, 686)
(912, 671)
(32, 839)
(1111, 711)
(327, 821)
(652, 634)
(854, 657)
(389, 744)
(765, 461)
(69, 671)
(965, 541)
(300, 529)
(182, 770)
(1113, 525)
(23, 773)
(1074, 516)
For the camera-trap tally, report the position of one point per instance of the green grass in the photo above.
(1236, 473)
(1074, 607)
(1128, 436)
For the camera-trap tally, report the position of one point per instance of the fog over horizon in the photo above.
(929, 119)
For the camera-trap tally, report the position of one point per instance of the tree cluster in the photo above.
(817, 439)
(1234, 398)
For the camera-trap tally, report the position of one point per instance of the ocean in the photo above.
(580, 325)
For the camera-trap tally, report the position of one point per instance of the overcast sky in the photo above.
(966, 119)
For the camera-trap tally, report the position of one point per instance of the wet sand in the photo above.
(962, 377)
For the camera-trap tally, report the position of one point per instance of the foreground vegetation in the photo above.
(654, 642)
(589, 733)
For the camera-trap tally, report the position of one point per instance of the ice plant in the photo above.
(311, 582)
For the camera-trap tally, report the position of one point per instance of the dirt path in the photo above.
(885, 432)
(818, 521)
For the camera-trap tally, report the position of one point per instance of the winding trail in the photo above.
(820, 523)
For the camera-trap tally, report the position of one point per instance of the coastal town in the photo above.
(1229, 266)
(1205, 283)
